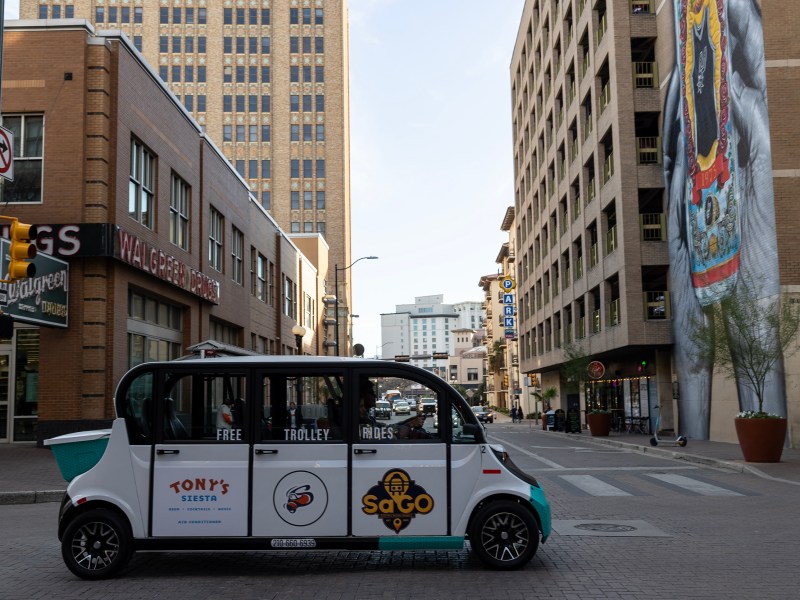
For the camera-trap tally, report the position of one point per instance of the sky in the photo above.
(430, 156)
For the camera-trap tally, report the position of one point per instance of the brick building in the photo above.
(268, 81)
(162, 243)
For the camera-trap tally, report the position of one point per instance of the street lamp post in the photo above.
(299, 331)
(336, 270)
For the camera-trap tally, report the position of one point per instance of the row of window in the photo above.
(250, 103)
(308, 170)
(69, 12)
(178, 41)
(308, 200)
(252, 72)
(308, 227)
(254, 45)
(188, 73)
(180, 15)
(319, 74)
(249, 16)
(113, 14)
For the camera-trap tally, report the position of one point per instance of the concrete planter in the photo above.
(599, 423)
(761, 440)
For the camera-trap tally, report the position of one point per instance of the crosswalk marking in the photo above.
(593, 486)
(693, 485)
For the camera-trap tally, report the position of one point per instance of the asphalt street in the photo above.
(627, 524)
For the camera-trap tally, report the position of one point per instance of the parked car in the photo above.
(484, 414)
(383, 409)
(401, 407)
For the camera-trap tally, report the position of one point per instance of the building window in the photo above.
(179, 212)
(240, 45)
(176, 43)
(237, 256)
(42, 11)
(320, 167)
(265, 133)
(308, 200)
(137, 42)
(188, 102)
(319, 74)
(201, 45)
(215, 233)
(307, 172)
(321, 227)
(163, 73)
(28, 132)
(137, 14)
(190, 16)
(294, 132)
(289, 298)
(227, 133)
(188, 44)
(201, 101)
(252, 45)
(112, 14)
(201, 16)
(99, 14)
(176, 73)
(294, 16)
(295, 200)
(154, 329)
(261, 278)
(126, 14)
(321, 200)
(320, 103)
(295, 168)
(163, 15)
(294, 103)
(265, 74)
(307, 132)
(308, 227)
(240, 102)
(176, 15)
(227, 44)
(306, 44)
(265, 16)
(294, 74)
(252, 169)
(295, 227)
(320, 133)
(141, 187)
(264, 45)
(163, 44)
(266, 169)
(265, 104)
(252, 135)
(307, 103)
(318, 17)
(294, 44)
(227, 16)
(319, 45)
(266, 199)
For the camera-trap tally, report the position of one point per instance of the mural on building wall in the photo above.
(718, 173)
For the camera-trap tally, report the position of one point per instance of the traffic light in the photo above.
(642, 367)
(22, 251)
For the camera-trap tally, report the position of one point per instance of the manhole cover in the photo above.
(606, 527)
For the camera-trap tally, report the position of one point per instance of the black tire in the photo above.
(97, 544)
(504, 535)
(682, 441)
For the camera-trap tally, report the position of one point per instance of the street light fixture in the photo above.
(299, 331)
(336, 270)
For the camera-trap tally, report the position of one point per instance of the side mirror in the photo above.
(471, 429)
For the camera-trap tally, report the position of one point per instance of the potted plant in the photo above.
(744, 336)
(599, 422)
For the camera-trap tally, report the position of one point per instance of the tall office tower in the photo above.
(268, 80)
(591, 252)
(592, 107)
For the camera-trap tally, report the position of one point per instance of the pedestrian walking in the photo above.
(513, 414)
(519, 414)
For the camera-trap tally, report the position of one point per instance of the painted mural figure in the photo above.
(718, 173)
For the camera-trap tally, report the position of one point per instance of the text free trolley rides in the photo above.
(323, 475)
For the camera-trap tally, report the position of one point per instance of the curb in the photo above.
(31, 497)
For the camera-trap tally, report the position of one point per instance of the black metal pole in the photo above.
(336, 306)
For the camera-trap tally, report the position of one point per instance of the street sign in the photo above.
(596, 369)
(6, 154)
(508, 322)
(508, 310)
(508, 298)
(508, 283)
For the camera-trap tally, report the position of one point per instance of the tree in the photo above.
(574, 368)
(744, 336)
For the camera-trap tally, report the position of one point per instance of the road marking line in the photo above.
(698, 487)
(531, 454)
(594, 486)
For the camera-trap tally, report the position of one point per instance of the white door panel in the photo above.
(200, 490)
(300, 490)
(399, 489)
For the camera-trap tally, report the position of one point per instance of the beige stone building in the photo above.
(268, 82)
(588, 81)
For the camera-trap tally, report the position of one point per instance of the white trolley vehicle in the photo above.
(281, 453)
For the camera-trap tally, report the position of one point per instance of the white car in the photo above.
(169, 476)
(401, 407)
